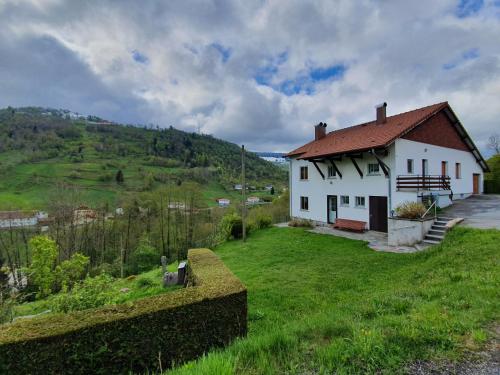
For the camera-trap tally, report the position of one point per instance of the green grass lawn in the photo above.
(323, 304)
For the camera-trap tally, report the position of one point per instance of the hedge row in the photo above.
(168, 329)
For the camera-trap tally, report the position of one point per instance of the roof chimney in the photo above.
(381, 113)
(319, 131)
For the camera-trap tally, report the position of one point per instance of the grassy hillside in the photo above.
(44, 152)
(322, 305)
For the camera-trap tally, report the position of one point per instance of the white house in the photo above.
(253, 200)
(16, 219)
(223, 202)
(365, 171)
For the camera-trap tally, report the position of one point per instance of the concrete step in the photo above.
(437, 232)
(442, 218)
(437, 222)
(431, 242)
(435, 237)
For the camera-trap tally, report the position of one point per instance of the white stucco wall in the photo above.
(462, 188)
(350, 184)
(317, 189)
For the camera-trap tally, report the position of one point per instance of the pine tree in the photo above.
(119, 177)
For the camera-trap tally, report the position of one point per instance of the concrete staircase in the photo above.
(437, 232)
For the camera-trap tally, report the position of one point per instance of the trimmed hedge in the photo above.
(170, 328)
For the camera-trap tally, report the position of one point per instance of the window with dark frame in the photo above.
(360, 202)
(458, 171)
(409, 166)
(332, 173)
(304, 203)
(304, 173)
(373, 168)
(344, 200)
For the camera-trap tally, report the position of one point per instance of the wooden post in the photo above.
(243, 193)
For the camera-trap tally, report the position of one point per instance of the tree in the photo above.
(44, 254)
(272, 190)
(119, 177)
(494, 143)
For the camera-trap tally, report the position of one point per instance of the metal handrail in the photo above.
(435, 209)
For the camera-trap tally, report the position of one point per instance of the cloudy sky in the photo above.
(254, 72)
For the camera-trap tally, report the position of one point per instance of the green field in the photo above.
(45, 158)
(324, 304)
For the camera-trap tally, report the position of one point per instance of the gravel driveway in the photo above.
(479, 211)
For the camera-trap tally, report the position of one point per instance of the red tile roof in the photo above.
(368, 135)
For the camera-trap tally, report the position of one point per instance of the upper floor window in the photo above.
(458, 170)
(409, 166)
(304, 173)
(444, 168)
(360, 202)
(331, 172)
(373, 168)
(304, 203)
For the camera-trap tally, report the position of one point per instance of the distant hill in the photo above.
(42, 149)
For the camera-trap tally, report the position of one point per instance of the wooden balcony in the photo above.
(419, 182)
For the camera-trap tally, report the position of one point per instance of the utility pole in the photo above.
(243, 194)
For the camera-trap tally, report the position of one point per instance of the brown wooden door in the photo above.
(378, 213)
(475, 183)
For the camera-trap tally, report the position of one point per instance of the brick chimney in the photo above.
(381, 113)
(319, 131)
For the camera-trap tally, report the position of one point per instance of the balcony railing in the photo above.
(419, 182)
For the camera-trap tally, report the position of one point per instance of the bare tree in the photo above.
(494, 143)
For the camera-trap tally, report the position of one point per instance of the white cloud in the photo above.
(394, 51)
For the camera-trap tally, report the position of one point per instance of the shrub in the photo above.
(72, 270)
(89, 293)
(262, 220)
(410, 210)
(231, 226)
(144, 257)
(105, 177)
(300, 223)
(145, 283)
(133, 337)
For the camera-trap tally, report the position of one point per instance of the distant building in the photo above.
(177, 205)
(253, 200)
(238, 187)
(17, 219)
(223, 202)
(268, 187)
(84, 215)
(119, 211)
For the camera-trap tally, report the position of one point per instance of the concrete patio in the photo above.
(376, 240)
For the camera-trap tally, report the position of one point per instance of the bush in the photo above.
(410, 210)
(261, 220)
(128, 338)
(72, 270)
(231, 226)
(300, 223)
(89, 293)
(144, 258)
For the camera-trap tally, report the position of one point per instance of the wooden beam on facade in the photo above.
(357, 167)
(382, 165)
(335, 168)
(319, 170)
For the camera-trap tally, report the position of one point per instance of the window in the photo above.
(304, 173)
(332, 173)
(304, 203)
(444, 168)
(344, 200)
(425, 168)
(409, 166)
(360, 201)
(373, 168)
(458, 171)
